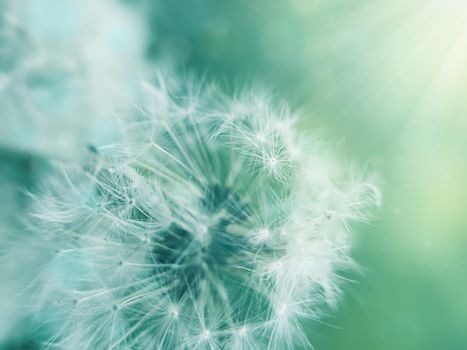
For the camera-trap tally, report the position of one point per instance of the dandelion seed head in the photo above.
(202, 229)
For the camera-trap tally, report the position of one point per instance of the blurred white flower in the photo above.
(213, 225)
(65, 68)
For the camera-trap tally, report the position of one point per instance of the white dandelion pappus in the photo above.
(187, 235)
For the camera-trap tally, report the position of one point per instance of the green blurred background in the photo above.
(388, 81)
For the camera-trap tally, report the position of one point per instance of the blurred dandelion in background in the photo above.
(65, 68)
